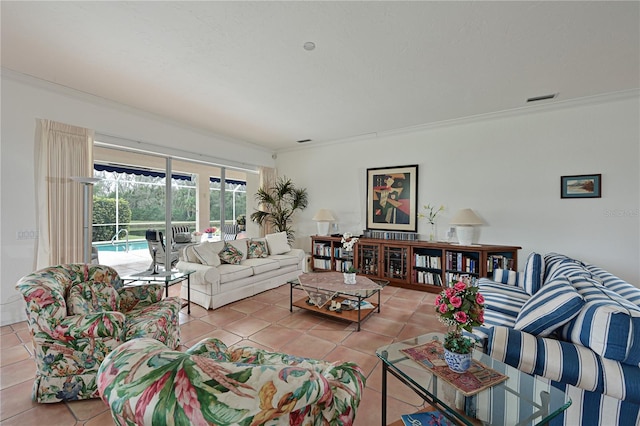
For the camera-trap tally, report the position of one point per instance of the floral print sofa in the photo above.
(145, 383)
(77, 314)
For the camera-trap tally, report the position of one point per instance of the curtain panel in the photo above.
(61, 151)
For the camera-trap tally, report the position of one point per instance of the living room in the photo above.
(505, 165)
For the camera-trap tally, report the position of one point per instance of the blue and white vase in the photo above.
(457, 362)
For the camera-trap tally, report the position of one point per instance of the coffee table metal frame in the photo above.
(344, 291)
(544, 411)
(169, 278)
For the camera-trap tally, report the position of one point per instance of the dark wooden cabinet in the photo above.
(419, 265)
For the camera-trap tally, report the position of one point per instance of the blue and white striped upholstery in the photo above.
(555, 304)
(533, 273)
(623, 288)
(560, 265)
(603, 391)
(503, 299)
(506, 276)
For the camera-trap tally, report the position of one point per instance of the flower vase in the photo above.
(349, 278)
(210, 235)
(433, 232)
(458, 363)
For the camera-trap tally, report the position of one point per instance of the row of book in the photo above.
(322, 249)
(321, 263)
(458, 261)
(426, 261)
(424, 277)
(343, 265)
(388, 235)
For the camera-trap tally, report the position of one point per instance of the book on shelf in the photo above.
(476, 379)
(426, 418)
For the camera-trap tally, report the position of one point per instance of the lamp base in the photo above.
(323, 228)
(464, 234)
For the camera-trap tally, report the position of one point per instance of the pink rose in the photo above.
(479, 299)
(461, 317)
(438, 300)
(481, 318)
(450, 293)
(443, 308)
(456, 301)
(459, 286)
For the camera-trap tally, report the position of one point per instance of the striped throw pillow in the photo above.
(555, 304)
(533, 273)
(506, 276)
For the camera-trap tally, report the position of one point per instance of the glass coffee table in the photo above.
(322, 287)
(520, 400)
(169, 278)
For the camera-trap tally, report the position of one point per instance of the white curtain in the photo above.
(268, 177)
(61, 151)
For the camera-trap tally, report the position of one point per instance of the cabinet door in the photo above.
(368, 258)
(395, 261)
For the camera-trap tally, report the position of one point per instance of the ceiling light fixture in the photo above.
(309, 45)
(542, 98)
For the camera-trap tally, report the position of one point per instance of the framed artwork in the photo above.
(392, 198)
(581, 186)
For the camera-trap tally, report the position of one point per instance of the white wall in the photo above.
(23, 101)
(507, 168)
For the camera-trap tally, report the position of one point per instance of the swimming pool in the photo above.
(121, 245)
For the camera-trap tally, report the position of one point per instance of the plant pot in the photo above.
(458, 363)
(349, 278)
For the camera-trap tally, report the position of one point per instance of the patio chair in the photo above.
(155, 241)
(230, 231)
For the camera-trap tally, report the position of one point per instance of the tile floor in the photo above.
(261, 321)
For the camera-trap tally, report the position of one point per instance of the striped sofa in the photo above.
(576, 327)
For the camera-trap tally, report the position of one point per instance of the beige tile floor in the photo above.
(261, 321)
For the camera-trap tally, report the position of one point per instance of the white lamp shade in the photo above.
(323, 215)
(465, 217)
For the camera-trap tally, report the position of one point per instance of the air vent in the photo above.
(304, 140)
(542, 98)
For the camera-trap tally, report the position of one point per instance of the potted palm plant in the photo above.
(278, 204)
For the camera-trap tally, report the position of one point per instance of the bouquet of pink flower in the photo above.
(460, 307)
(211, 230)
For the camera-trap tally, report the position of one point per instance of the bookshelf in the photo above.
(419, 265)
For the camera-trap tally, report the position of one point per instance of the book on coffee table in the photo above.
(426, 418)
(477, 378)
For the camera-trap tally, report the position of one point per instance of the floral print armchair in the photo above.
(146, 383)
(77, 314)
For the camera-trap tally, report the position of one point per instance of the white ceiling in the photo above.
(239, 68)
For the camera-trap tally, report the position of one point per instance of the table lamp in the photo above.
(323, 217)
(465, 220)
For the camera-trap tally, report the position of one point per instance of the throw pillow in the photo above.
(207, 252)
(506, 276)
(256, 249)
(533, 273)
(230, 254)
(91, 296)
(183, 237)
(278, 243)
(554, 305)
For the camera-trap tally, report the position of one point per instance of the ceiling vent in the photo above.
(304, 140)
(542, 98)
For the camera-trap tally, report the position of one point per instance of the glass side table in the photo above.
(169, 278)
(520, 400)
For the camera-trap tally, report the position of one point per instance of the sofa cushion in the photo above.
(555, 304)
(608, 324)
(278, 243)
(261, 265)
(257, 249)
(207, 252)
(182, 237)
(556, 265)
(230, 254)
(230, 272)
(240, 245)
(285, 259)
(92, 296)
(506, 276)
(533, 273)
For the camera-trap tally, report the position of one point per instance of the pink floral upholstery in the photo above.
(79, 313)
(145, 383)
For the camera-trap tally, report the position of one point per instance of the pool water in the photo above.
(121, 246)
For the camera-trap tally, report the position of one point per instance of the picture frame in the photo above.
(581, 186)
(392, 198)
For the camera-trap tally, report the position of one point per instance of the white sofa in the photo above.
(227, 271)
